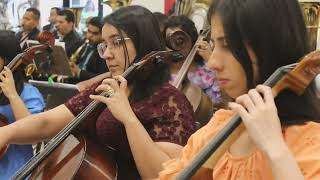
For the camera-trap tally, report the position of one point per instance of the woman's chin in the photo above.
(230, 95)
(115, 73)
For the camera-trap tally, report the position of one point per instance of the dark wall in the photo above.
(66, 3)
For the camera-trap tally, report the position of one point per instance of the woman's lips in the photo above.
(222, 81)
(113, 67)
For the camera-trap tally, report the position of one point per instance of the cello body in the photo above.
(77, 158)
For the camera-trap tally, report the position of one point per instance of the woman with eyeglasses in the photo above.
(147, 121)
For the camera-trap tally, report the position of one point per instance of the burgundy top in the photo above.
(167, 116)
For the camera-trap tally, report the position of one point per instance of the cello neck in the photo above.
(188, 61)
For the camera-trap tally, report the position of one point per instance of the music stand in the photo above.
(55, 94)
(54, 62)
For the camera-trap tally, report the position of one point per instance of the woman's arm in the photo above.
(148, 155)
(283, 164)
(18, 107)
(87, 83)
(36, 128)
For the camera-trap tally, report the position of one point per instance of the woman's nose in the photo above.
(215, 61)
(107, 55)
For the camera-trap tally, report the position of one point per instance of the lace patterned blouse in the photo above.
(167, 116)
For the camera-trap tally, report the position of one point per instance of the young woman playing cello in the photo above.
(148, 127)
(251, 40)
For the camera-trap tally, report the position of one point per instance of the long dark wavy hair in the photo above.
(143, 29)
(9, 48)
(276, 32)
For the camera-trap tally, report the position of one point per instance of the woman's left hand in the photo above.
(117, 102)
(204, 49)
(259, 115)
(7, 85)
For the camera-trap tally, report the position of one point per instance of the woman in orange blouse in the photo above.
(282, 139)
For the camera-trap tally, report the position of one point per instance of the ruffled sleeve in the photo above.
(195, 143)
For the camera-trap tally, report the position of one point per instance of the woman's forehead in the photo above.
(110, 32)
(216, 27)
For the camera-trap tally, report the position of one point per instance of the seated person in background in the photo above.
(199, 73)
(88, 63)
(29, 24)
(65, 27)
(147, 120)
(17, 100)
(51, 27)
(281, 140)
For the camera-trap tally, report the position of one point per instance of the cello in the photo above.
(202, 104)
(295, 77)
(74, 156)
(26, 57)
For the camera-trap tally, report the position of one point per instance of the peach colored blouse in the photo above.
(303, 141)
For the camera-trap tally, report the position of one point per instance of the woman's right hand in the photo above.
(7, 85)
(260, 117)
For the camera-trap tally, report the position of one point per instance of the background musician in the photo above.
(65, 26)
(17, 100)
(199, 73)
(29, 24)
(51, 27)
(282, 139)
(147, 120)
(89, 64)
